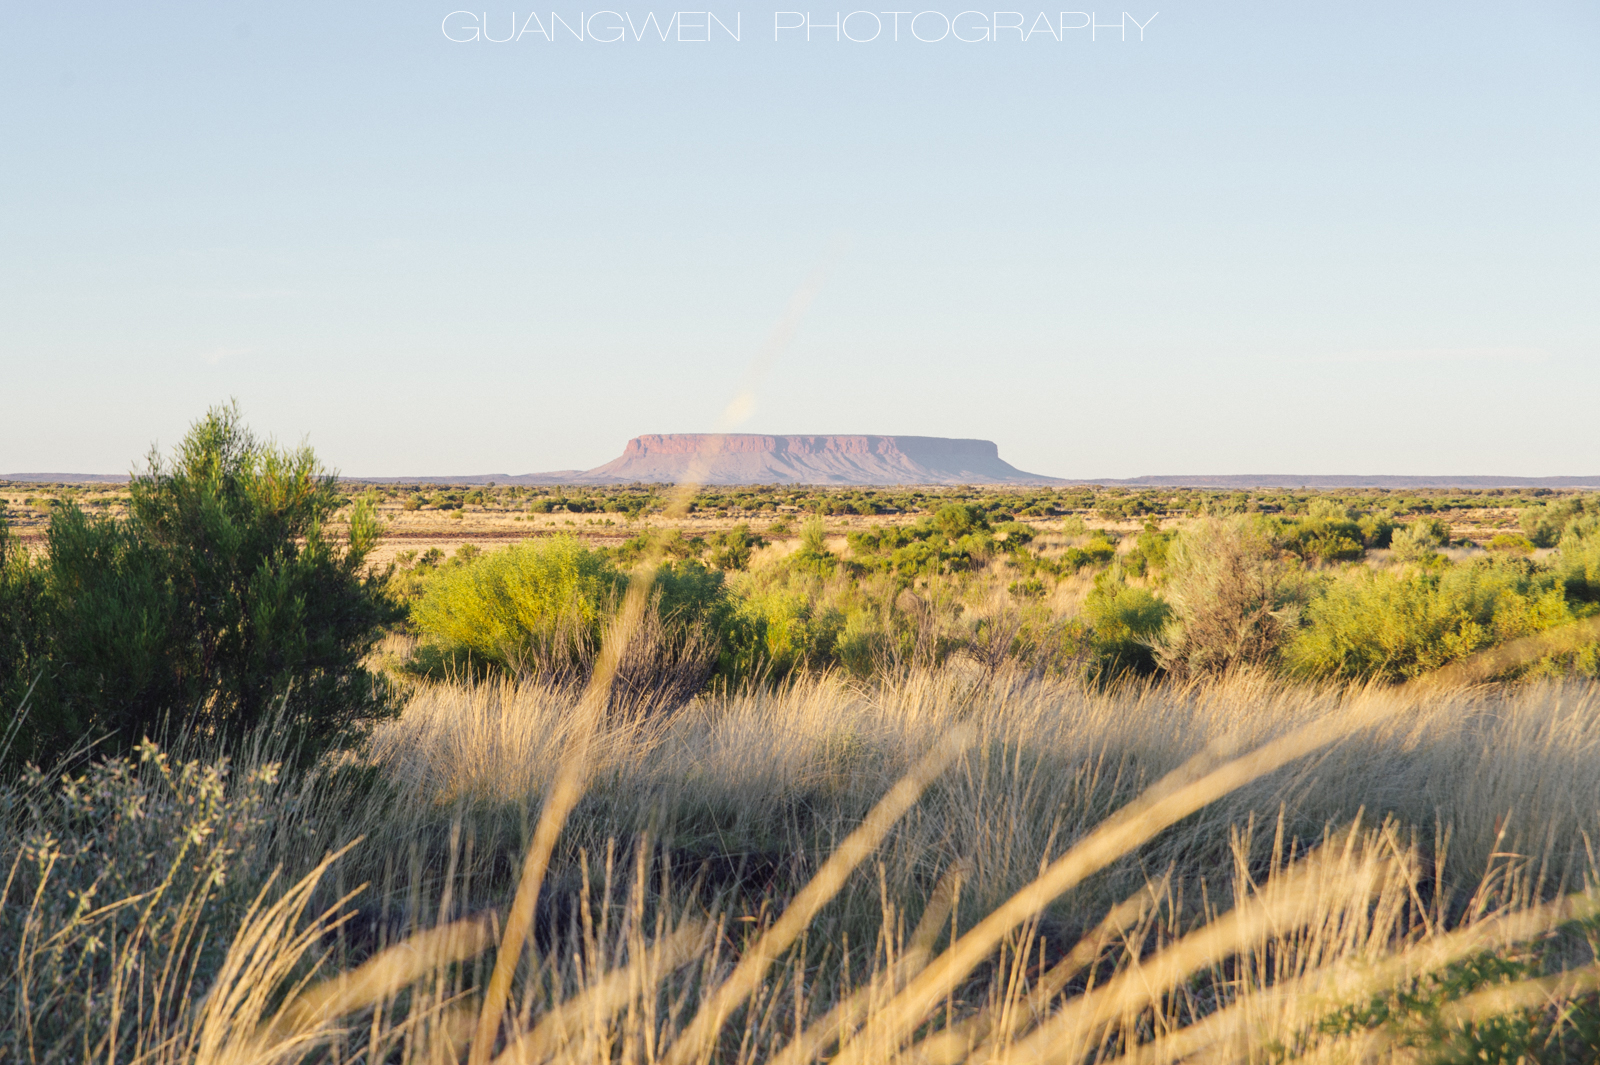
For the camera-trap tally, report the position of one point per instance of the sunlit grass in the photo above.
(958, 866)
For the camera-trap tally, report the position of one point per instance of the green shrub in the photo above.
(1418, 540)
(1149, 552)
(773, 631)
(1392, 625)
(1578, 561)
(813, 555)
(22, 635)
(1328, 533)
(517, 607)
(688, 591)
(1099, 550)
(1376, 529)
(731, 549)
(1545, 525)
(863, 643)
(956, 538)
(217, 603)
(918, 559)
(1015, 534)
(1511, 544)
(1125, 621)
(956, 520)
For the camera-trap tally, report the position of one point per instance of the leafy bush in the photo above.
(1013, 534)
(1149, 552)
(521, 608)
(956, 520)
(1329, 533)
(540, 608)
(688, 591)
(22, 605)
(1418, 540)
(813, 555)
(1393, 625)
(1578, 561)
(1511, 544)
(1099, 550)
(1376, 529)
(775, 630)
(1547, 524)
(1126, 621)
(218, 602)
(731, 549)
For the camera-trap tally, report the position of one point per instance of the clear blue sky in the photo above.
(1285, 237)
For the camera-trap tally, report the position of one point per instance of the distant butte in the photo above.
(743, 458)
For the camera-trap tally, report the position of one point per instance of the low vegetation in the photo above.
(1338, 595)
(1026, 776)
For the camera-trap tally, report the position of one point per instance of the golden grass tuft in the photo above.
(959, 866)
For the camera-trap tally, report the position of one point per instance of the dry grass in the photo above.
(959, 866)
(1051, 760)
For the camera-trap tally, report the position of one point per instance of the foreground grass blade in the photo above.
(1320, 992)
(1171, 799)
(697, 1039)
(604, 998)
(1497, 660)
(386, 974)
(563, 796)
(1296, 898)
(847, 1015)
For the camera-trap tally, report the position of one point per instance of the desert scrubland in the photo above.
(298, 770)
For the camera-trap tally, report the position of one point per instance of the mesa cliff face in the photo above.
(745, 458)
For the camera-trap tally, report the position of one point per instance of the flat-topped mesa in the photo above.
(748, 458)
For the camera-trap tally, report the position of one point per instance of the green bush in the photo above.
(1376, 529)
(1577, 561)
(813, 555)
(1418, 540)
(774, 630)
(1015, 534)
(517, 607)
(1511, 544)
(1099, 550)
(956, 520)
(218, 603)
(1328, 533)
(1547, 524)
(1149, 554)
(1396, 624)
(1125, 621)
(22, 604)
(731, 549)
(688, 591)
